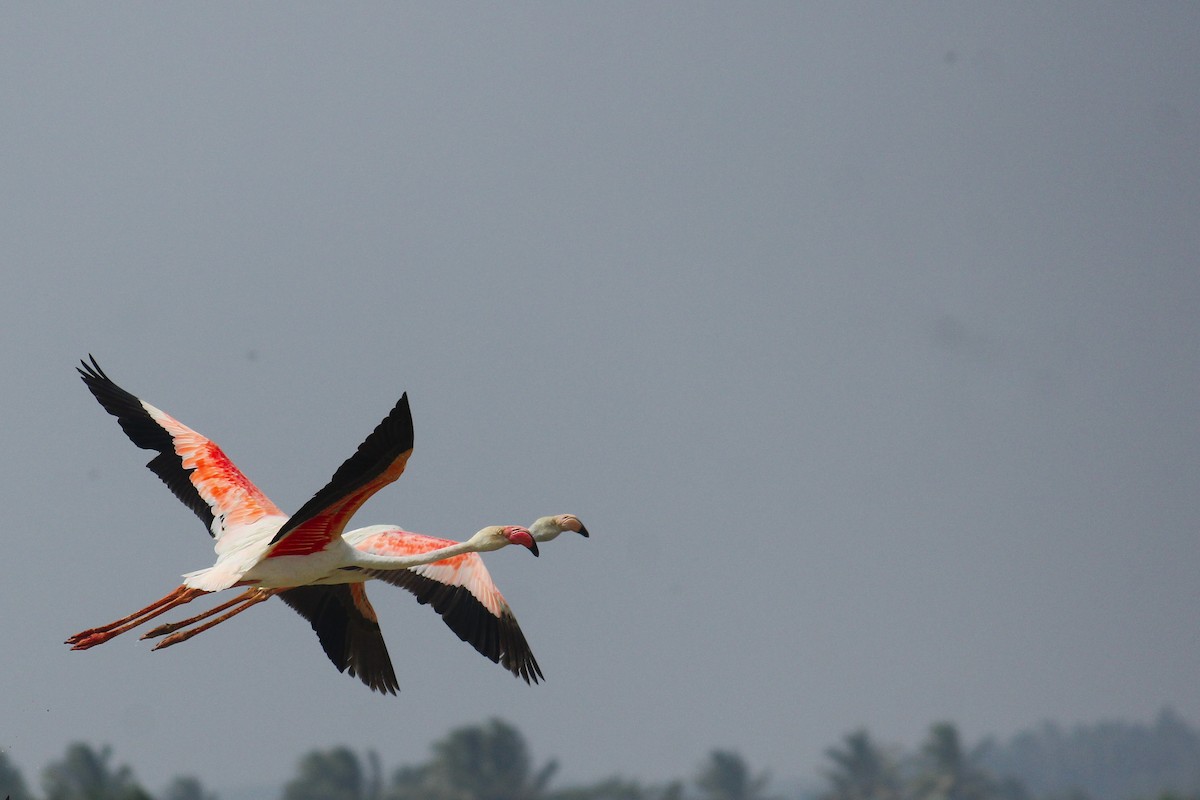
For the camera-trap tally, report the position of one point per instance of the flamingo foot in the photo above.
(162, 630)
(99, 635)
(87, 639)
(174, 638)
(79, 637)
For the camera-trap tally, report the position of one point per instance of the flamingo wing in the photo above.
(497, 637)
(193, 467)
(346, 624)
(379, 460)
(461, 590)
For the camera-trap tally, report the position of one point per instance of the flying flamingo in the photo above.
(257, 545)
(458, 588)
(546, 528)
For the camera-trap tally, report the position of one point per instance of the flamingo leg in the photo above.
(171, 627)
(249, 598)
(94, 636)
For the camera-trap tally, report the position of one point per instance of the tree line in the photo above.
(492, 761)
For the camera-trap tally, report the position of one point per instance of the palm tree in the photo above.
(477, 762)
(84, 774)
(948, 773)
(333, 774)
(862, 771)
(725, 776)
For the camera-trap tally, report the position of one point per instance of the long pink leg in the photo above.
(171, 627)
(94, 636)
(256, 596)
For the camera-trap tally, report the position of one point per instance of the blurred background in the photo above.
(863, 338)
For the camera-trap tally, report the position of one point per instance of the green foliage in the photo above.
(862, 771)
(478, 762)
(187, 787)
(618, 788)
(1112, 761)
(333, 774)
(12, 784)
(408, 783)
(84, 774)
(725, 776)
(941, 770)
(1107, 761)
(614, 788)
(948, 773)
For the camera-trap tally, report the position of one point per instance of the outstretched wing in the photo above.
(349, 631)
(379, 460)
(462, 591)
(192, 467)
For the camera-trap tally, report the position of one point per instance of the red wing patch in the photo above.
(217, 479)
(192, 467)
(311, 537)
(315, 534)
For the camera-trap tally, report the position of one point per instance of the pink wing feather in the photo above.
(193, 467)
(462, 591)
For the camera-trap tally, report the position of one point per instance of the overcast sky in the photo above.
(864, 339)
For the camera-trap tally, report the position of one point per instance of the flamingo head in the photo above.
(547, 528)
(494, 537)
(515, 534)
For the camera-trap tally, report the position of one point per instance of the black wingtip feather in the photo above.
(147, 434)
(391, 438)
(498, 639)
(351, 641)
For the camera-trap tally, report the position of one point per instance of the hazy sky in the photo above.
(864, 339)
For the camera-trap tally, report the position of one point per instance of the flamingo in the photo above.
(544, 529)
(459, 589)
(304, 557)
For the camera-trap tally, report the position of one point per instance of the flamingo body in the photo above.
(305, 558)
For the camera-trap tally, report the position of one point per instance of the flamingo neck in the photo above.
(382, 562)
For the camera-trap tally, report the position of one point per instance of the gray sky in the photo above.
(863, 339)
